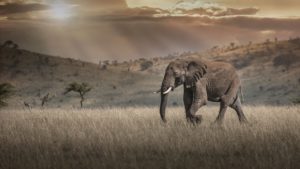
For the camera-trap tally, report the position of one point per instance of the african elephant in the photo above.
(203, 81)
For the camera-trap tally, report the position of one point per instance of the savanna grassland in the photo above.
(136, 138)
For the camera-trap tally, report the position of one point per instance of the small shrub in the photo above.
(296, 100)
(45, 99)
(285, 60)
(115, 62)
(294, 40)
(146, 64)
(6, 91)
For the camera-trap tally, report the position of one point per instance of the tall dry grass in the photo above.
(135, 138)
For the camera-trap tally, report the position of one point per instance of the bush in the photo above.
(6, 91)
(145, 65)
(285, 60)
(294, 40)
(296, 100)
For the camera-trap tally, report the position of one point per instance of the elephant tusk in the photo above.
(166, 92)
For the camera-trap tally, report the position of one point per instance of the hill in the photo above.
(269, 72)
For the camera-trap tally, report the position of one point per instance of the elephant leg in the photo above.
(231, 94)
(196, 105)
(229, 98)
(187, 100)
(237, 106)
(199, 99)
(223, 108)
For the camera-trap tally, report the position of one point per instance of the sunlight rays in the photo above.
(61, 11)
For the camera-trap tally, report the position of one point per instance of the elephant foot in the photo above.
(198, 119)
(164, 120)
(195, 119)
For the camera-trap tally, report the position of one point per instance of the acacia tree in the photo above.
(6, 90)
(82, 89)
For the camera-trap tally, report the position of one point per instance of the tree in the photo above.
(267, 42)
(15, 46)
(46, 99)
(6, 91)
(82, 89)
(7, 43)
(232, 44)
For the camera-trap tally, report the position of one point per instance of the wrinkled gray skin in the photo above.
(203, 81)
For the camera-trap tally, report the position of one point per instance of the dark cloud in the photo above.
(238, 21)
(129, 14)
(259, 23)
(18, 9)
(242, 11)
(13, 8)
(117, 10)
(125, 33)
(110, 4)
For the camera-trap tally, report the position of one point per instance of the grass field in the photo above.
(135, 138)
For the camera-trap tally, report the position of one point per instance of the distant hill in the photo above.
(270, 74)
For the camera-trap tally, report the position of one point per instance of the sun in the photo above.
(60, 11)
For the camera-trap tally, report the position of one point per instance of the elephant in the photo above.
(203, 81)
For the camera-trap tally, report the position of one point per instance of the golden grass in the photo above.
(135, 138)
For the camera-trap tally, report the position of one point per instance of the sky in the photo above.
(94, 30)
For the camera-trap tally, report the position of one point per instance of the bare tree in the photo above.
(27, 105)
(6, 91)
(46, 99)
(82, 89)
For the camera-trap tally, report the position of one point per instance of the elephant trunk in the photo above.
(163, 105)
(166, 87)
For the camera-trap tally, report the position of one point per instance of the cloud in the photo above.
(111, 4)
(157, 14)
(212, 11)
(95, 33)
(115, 10)
(215, 11)
(33, 9)
(17, 7)
(260, 23)
(142, 11)
(144, 36)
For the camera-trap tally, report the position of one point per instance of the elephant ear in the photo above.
(195, 71)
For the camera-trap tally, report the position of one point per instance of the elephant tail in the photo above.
(242, 95)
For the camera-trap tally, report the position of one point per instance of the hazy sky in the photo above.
(126, 29)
